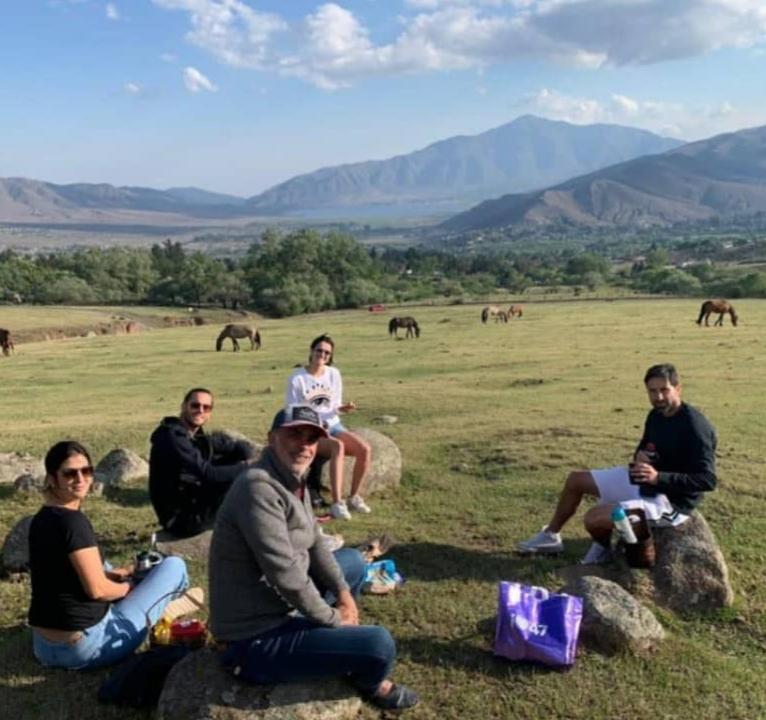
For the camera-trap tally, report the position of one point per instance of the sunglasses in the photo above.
(200, 406)
(72, 473)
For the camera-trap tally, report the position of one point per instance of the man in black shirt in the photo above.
(673, 465)
(187, 483)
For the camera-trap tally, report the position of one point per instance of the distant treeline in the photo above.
(305, 271)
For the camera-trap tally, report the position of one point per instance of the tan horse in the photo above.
(235, 332)
(6, 342)
(515, 311)
(493, 311)
(717, 306)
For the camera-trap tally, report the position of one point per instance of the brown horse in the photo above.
(717, 306)
(407, 322)
(235, 332)
(6, 342)
(493, 311)
(515, 311)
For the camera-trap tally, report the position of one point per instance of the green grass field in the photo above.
(491, 418)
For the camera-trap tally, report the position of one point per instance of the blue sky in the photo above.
(237, 95)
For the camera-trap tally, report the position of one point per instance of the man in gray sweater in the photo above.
(282, 606)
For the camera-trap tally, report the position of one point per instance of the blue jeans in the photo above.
(300, 650)
(123, 628)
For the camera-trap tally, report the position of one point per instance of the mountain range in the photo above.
(447, 176)
(723, 176)
(525, 154)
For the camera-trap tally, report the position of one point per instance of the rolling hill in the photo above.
(723, 176)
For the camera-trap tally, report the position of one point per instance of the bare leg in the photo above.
(333, 448)
(598, 522)
(578, 484)
(362, 454)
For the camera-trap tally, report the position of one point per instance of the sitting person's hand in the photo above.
(346, 605)
(347, 407)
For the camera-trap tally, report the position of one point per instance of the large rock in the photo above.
(613, 620)
(28, 483)
(198, 688)
(386, 470)
(14, 464)
(16, 547)
(121, 466)
(230, 446)
(690, 573)
(196, 547)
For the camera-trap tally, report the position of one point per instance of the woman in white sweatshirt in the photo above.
(320, 386)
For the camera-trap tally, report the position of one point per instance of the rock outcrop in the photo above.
(198, 688)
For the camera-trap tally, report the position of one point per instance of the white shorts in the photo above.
(614, 487)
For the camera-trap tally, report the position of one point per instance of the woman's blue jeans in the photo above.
(300, 650)
(123, 628)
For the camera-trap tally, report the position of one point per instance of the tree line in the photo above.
(307, 271)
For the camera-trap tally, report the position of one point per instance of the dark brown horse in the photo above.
(235, 332)
(515, 311)
(6, 342)
(717, 306)
(407, 322)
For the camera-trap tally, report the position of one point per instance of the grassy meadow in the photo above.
(491, 418)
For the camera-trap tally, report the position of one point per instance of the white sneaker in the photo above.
(339, 511)
(597, 554)
(543, 543)
(332, 542)
(357, 504)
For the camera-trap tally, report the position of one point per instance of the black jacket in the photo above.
(185, 484)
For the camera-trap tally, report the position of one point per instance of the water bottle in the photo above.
(623, 526)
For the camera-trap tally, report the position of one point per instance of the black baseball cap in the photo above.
(295, 415)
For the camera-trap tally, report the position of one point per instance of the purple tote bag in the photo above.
(537, 625)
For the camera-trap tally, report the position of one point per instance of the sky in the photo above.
(235, 96)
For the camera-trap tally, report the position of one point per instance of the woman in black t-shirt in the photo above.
(84, 613)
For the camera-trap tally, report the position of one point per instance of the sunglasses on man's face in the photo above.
(200, 406)
(72, 473)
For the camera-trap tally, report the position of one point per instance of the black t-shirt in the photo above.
(59, 600)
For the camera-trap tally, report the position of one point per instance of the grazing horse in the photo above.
(515, 311)
(404, 322)
(717, 306)
(239, 331)
(493, 311)
(6, 342)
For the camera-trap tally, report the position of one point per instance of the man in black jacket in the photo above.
(673, 465)
(186, 482)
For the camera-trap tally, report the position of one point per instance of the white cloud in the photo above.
(333, 48)
(671, 119)
(168, 57)
(230, 30)
(111, 11)
(132, 88)
(195, 81)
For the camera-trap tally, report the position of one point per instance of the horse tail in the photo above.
(732, 314)
(484, 315)
(417, 329)
(703, 309)
(392, 326)
(257, 340)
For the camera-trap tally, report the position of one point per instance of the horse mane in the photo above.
(392, 325)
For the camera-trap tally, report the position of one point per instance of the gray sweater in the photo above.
(265, 543)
